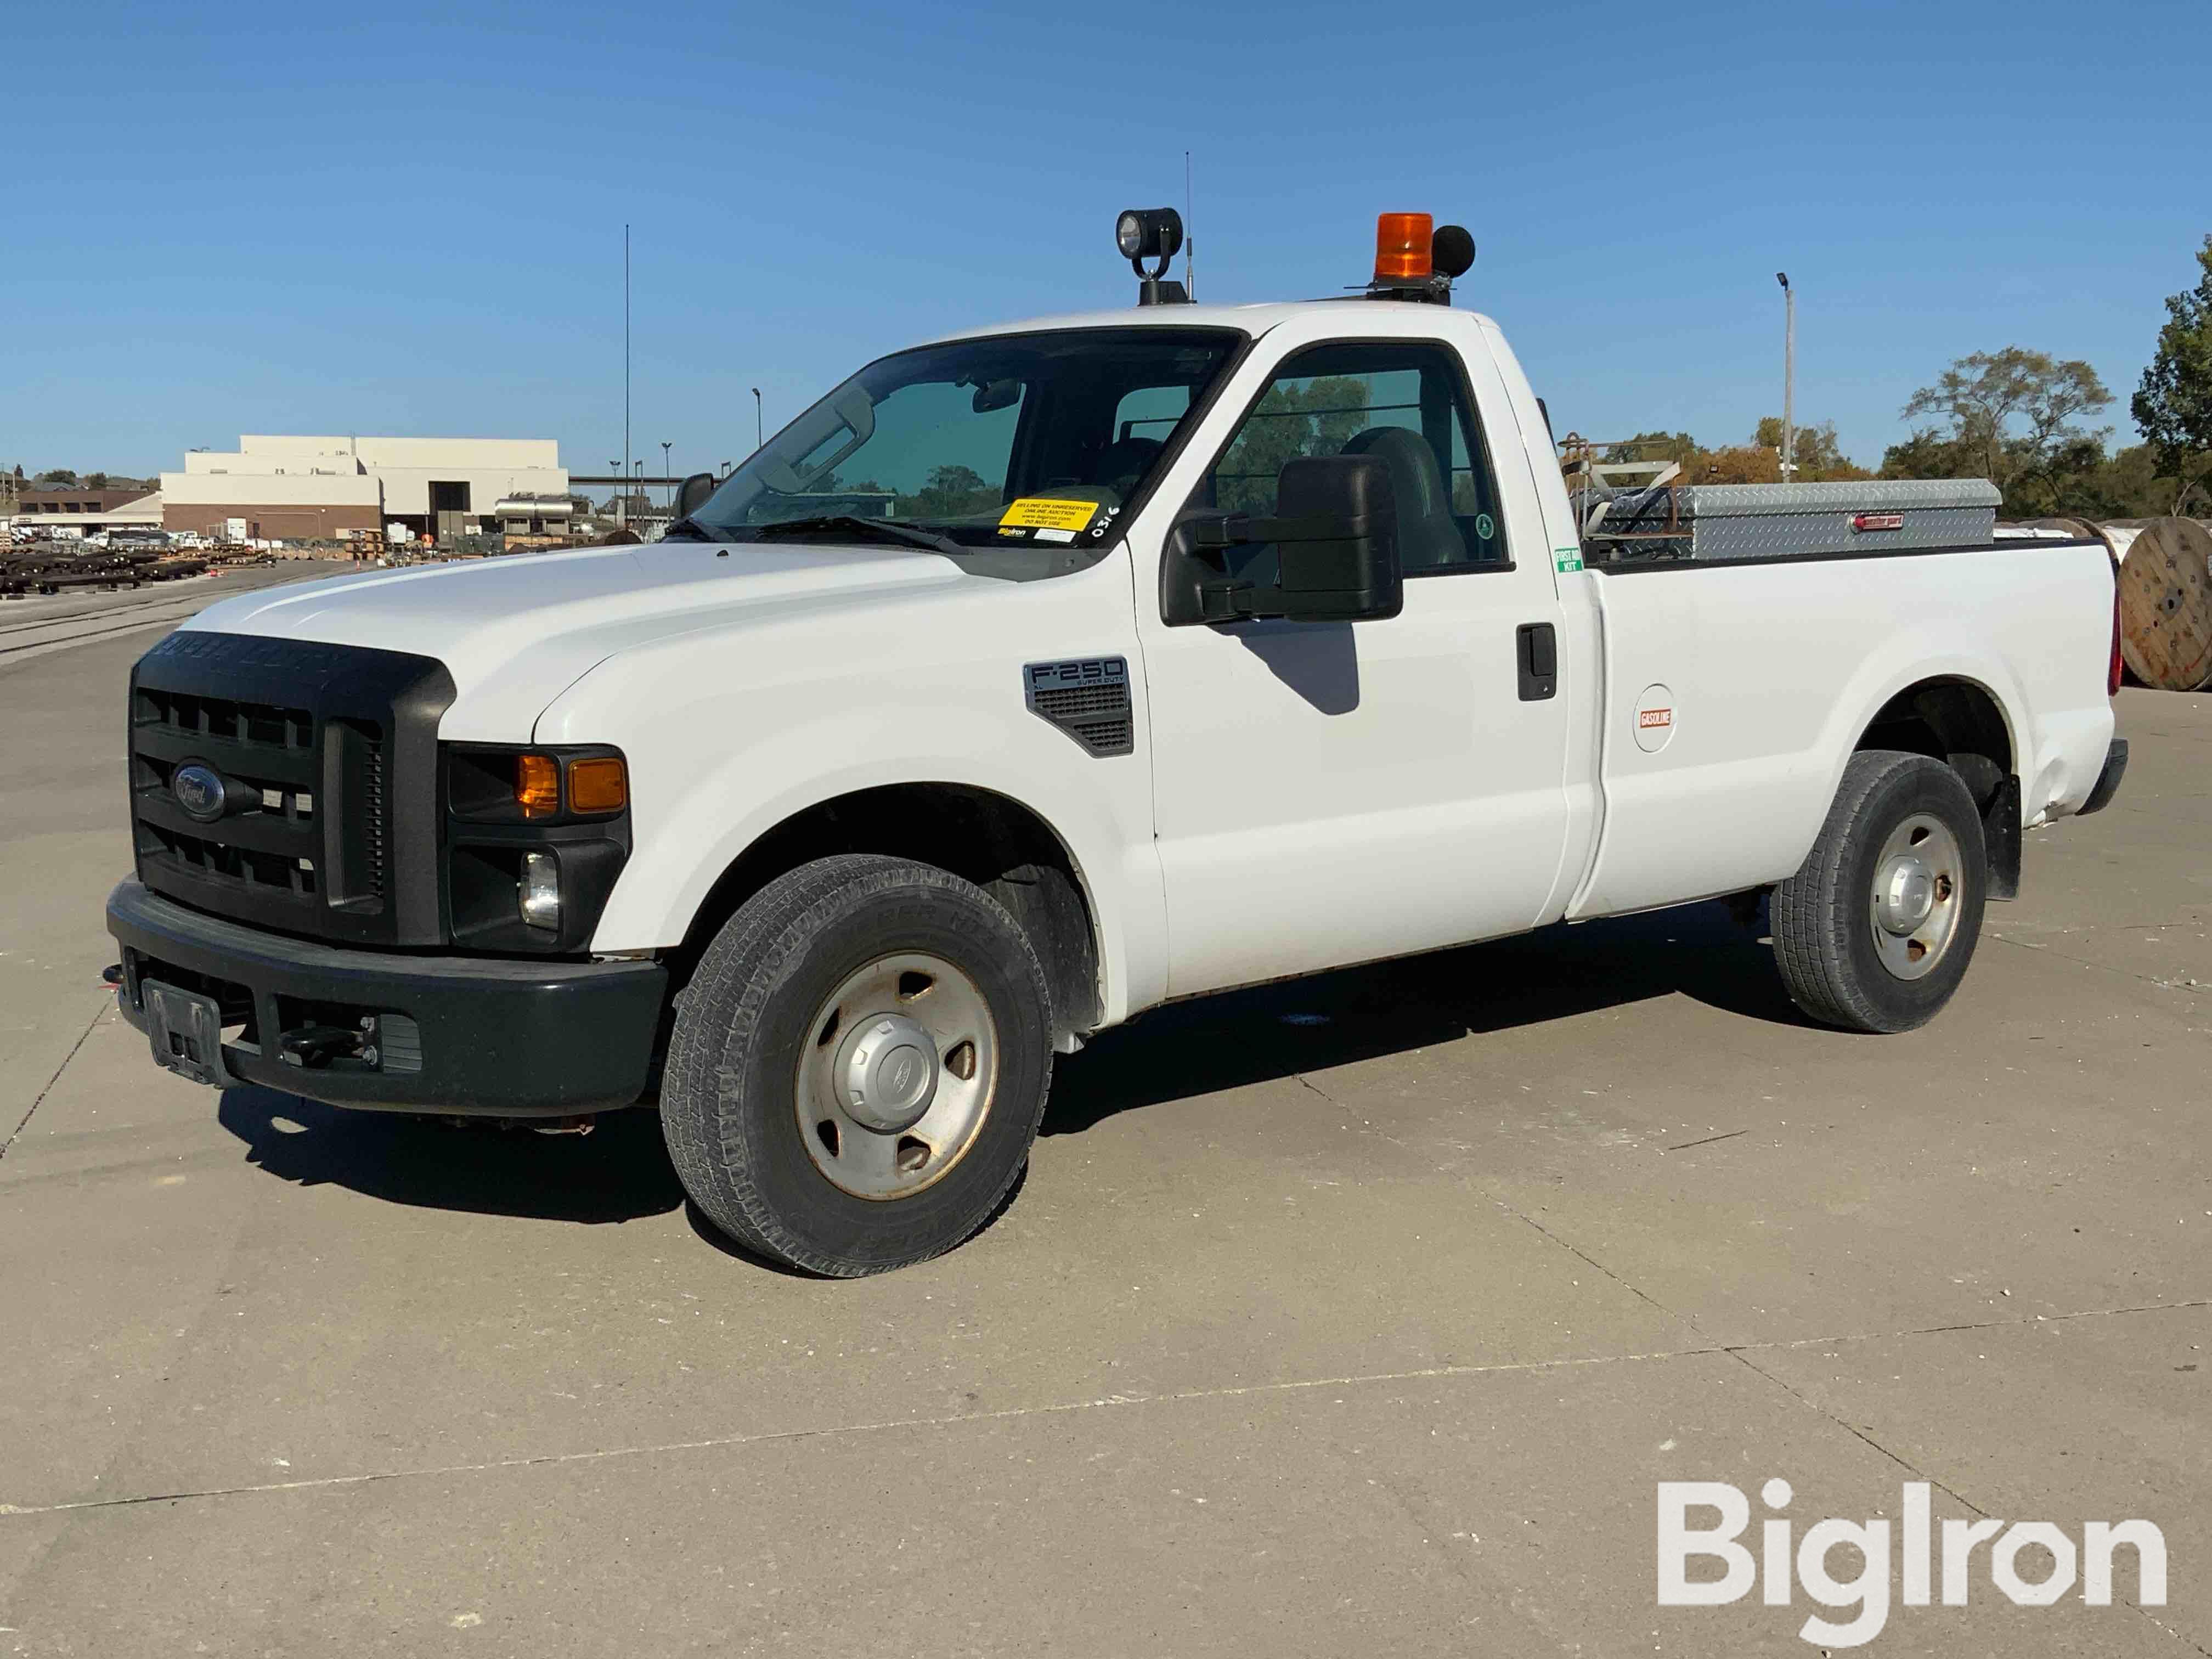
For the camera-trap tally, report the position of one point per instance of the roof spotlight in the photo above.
(1149, 233)
(1154, 233)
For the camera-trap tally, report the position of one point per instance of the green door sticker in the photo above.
(1564, 559)
(1484, 526)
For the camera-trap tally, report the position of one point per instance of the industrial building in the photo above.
(303, 488)
(77, 510)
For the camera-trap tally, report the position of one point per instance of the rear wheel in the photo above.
(859, 1066)
(1873, 934)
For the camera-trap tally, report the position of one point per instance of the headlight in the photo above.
(535, 838)
(538, 894)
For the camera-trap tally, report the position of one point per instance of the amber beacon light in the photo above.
(1404, 245)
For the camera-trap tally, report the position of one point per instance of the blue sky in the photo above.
(405, 219)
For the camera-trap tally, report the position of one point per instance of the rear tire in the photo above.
(1873, 934)
(859, 1066)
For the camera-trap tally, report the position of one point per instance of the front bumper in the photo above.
(2108, 781)
(471, 1035)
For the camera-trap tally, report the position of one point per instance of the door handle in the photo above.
(1537, 649)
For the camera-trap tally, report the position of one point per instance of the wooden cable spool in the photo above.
(2166, 605)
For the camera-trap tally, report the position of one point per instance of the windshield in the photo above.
(1013, 440)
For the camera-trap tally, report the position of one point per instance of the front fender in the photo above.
(713, 775)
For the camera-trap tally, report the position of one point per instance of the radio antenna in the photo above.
(1189, 282)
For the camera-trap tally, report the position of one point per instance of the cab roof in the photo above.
(1253, 320)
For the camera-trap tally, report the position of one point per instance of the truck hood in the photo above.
(514, 632)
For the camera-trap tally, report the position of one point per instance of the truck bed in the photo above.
(1770, 668)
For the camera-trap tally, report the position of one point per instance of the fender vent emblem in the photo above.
(1087, 698)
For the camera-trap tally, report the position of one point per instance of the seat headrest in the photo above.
(1125, 458)
(1413, 472)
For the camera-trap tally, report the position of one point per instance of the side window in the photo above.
(1402, 401)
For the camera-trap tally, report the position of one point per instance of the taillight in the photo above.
(2113, 671)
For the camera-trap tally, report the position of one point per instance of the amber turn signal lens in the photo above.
(537, 786)
(599, 784)
(1403, 244)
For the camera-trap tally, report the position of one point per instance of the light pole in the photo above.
(625, 356)
(1789, 376)
(758, 440)
(620, 517)
(668, 488)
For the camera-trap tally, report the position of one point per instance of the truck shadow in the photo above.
(1278, 1031)
(622, 1172)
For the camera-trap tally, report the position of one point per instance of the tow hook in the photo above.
(311, 1047)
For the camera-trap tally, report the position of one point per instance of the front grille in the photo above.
(327, 755)
(210, 859)
(266, 724)
(369, 756)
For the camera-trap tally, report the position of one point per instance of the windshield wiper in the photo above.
(851, 524)
(690, 529)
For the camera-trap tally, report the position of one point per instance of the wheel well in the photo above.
(1960, 723)
(981, 836)
(1952, 720)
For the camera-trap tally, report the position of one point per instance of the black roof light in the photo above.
(1153, 234)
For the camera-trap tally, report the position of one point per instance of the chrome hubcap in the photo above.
(897, 1077)
(1918, 882)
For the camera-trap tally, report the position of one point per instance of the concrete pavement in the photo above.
(1369, 1334)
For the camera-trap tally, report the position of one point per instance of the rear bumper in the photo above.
(472, 1035)
(2108, 781)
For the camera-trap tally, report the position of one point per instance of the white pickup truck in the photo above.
(1034, 677)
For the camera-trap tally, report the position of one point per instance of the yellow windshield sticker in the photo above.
(1047, 512)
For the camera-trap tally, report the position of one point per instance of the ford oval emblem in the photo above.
(198, 790)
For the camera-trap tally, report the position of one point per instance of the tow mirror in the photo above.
(691, 494)
(1336, 536)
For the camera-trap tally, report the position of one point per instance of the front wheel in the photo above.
(1873, 934)
(859, 1066)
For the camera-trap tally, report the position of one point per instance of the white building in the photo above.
(307, 488)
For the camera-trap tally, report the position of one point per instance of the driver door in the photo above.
(1328, 793)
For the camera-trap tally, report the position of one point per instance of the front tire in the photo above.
(1875, 932)
(859, 1066)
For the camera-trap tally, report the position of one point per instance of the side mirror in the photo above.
(1336, 536)
(691, 494)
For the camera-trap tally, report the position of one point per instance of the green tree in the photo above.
(1677, 446)
(1818, 453)
(949, 492)
(1929, 454)
(2014, 417)
(2173, 404)
(1317, 419)
(2130, 484)
(60, 475)
(1820, 456)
